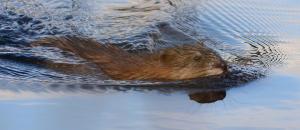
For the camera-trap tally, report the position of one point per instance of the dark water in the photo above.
(258, 39)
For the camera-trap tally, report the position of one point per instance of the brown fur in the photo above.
(176, 63)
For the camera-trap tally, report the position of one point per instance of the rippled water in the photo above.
(258, 39)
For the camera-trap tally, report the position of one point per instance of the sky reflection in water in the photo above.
(268, 103)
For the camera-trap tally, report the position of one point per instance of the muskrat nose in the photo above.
(223, 66)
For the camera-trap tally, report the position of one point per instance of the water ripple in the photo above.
(246, 34)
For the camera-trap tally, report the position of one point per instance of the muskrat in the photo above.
(181, 62)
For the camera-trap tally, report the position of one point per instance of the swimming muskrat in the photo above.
(181, 62)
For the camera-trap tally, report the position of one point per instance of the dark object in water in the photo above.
(208, 97)
(182, 62)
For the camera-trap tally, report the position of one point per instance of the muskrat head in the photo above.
(192, 61)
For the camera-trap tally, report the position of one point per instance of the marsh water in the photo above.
(259, 39)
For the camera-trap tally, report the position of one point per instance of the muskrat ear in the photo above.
(197, 56)
(168, 56)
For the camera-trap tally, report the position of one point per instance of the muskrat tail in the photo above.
(47, 63)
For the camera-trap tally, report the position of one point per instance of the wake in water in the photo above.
(248, 44)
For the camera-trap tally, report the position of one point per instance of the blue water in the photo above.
(258, 39)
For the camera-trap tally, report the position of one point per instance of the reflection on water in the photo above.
(208, 97)
(266, 104)
(258, 39)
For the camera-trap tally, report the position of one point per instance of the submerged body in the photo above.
(175, 63)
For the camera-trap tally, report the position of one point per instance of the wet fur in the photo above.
(176, 63)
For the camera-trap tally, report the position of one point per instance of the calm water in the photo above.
(259, 39)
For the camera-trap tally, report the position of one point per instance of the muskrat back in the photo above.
(182, 62)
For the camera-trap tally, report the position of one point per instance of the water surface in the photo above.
(258, 39)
